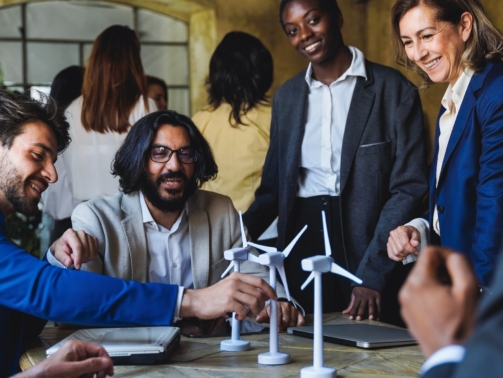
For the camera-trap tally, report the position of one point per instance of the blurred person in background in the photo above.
(114, 97)
(237, 120)
(158, 91)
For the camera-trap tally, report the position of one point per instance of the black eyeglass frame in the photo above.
(196, 154)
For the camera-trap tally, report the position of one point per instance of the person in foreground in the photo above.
(439, 301)
(346, 138)
(161, 228)
(454, 42)
(31, 136)
(74, 359)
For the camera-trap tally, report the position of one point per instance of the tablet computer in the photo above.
(135, 346)
(359, 335)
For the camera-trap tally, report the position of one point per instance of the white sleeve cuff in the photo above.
(179, 298)
(448, 354)
(423, 227)
(53, 260)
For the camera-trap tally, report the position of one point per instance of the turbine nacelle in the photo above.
(236, 254)
(321, 264)
(271, 258)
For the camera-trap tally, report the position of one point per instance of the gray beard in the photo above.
(11, 184)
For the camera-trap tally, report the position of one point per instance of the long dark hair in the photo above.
(131, 158)
(241, 73)
(113, 82)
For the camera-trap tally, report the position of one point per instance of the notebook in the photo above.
(359, 335)
(135, 346)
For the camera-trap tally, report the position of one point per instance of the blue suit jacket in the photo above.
(31, 289)
(469, 194)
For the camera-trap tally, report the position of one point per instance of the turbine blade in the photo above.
(282, 274)
(253, 258)
(231, 265)
(243, 235)
(343, 272)
(290, 246)
(328, 249)
(263, 247)
(308, 281)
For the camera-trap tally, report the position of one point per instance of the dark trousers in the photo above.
(336, 290)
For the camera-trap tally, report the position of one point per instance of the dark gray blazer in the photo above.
(383, 167)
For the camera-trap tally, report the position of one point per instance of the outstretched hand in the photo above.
(241, 293)
(364, 302)
(403, 241)
(288, 316)
(75, 248)
(439, 299)
(74, 359)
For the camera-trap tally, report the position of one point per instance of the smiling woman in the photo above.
(346, 138)
(454, 42)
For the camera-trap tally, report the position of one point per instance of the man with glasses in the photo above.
(160, 227)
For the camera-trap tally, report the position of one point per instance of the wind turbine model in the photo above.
(236, 255)
(274, 260)
(318, 265)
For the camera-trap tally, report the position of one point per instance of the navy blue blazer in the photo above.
(382, 184)
(32, 290)
(469, 194)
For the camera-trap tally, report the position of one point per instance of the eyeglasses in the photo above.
(162, 154)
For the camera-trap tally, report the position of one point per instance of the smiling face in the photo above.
(435, 46)
(168, 185)
(312, 31)
(27, 168)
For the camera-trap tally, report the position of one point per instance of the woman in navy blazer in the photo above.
(454, 42)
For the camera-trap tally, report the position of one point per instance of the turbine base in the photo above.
(230, 345)
(320, 372)
(276, 358)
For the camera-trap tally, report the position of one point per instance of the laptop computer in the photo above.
(130, 346)
(359, 335)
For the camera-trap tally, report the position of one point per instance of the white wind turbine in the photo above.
(318, 265)
(274, 260)
(236, 256)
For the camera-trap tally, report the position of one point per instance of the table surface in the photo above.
(203, 357)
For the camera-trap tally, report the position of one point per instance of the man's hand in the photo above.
(364, 301)
(75, 248)
(439, 299)
(403, 241)
(288, 316)
(241, 293)
(74, 359)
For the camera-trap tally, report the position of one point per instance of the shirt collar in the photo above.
(456, 92)
(357, 68)
(147, 216)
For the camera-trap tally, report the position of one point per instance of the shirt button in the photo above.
(174, 265)
(440, 209)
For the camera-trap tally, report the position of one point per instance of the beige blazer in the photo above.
(117, 222)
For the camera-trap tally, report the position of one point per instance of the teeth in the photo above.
(36, 188)
(432, 63)
(312, 46)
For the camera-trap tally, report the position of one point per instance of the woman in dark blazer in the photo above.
(454, 42)
(346, 138)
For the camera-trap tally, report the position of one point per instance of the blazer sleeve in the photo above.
(36, 288)
(441, 371)
(264, 208)
(407, 186)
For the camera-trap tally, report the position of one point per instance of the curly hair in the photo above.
(16, 110)
(131, 158)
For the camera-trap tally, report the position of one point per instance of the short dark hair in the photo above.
(131, 158)
(67, 85)
(16, 110)
(329, 6)
(162, 83)
(241, 73)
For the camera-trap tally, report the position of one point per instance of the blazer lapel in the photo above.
(199, 235)
(359, 111)
(134, 233)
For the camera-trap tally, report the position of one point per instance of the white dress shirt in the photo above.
(327, 112)
(452, 100)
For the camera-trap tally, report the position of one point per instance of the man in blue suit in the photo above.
(31, 136)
